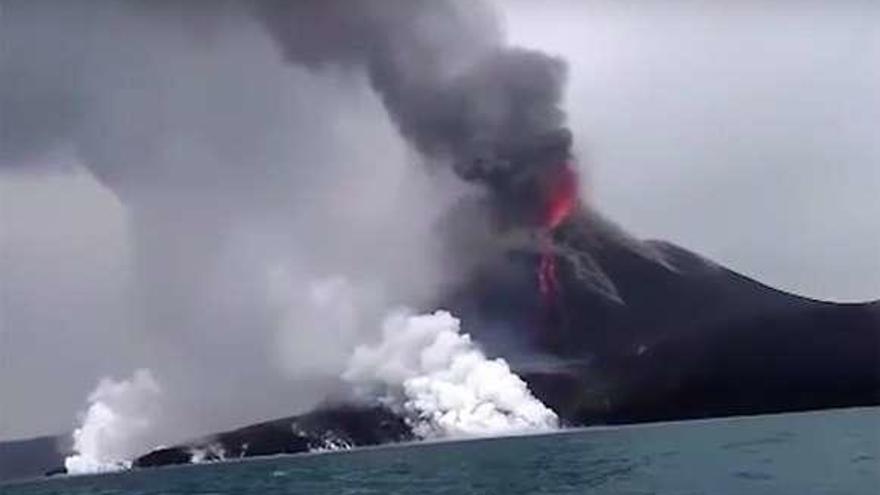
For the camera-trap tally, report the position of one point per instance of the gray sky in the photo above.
(746, 134)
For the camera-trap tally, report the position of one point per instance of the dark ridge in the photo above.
(29, 458)
(330, 428)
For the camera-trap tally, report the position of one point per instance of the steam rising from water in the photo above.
(117, 425)
(445, 386)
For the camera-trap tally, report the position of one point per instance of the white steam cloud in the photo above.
(117, 425)
(444, 385)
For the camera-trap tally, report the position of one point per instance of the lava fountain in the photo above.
(561, 195)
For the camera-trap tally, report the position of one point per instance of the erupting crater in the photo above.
(561, 195)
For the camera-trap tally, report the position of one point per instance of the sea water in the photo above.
(830, 453)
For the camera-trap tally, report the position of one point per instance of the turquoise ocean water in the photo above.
(830, 453)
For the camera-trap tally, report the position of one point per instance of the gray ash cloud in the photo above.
(457, 92)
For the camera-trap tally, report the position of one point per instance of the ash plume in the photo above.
(455, 90)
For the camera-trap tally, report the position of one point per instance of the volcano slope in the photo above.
(646, 331)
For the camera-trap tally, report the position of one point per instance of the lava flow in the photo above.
(562, 195)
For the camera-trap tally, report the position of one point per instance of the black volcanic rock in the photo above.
(329, 428)
(164, 457)
(57, 471)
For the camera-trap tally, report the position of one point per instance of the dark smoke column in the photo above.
(457, 93)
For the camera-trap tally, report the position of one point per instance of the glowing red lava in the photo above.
(562, 198)
(547, 281)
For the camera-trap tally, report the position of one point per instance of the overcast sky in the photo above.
(747, 134)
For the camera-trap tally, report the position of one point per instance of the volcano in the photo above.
(648, 331)
(636, 331)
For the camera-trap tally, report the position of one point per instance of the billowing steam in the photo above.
(442, 383)
(117, 425)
